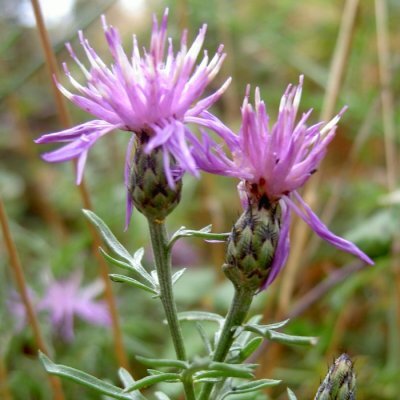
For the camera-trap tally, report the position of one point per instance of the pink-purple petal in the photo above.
(311, 219)
(152, 92)
(283, 247)
(127, 172)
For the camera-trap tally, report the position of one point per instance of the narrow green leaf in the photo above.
(83, 378)
(138, 256)
(117, 247)
(127, 380)
(223, 374)
(209, 380)
(242, 338)
(107, 235)
(204, 233)
(153, 379)
(250, 387)
(262, 329)
(255, 319)
(291, 339)
(161, 396)
(200, 316)
(221, 366)
(163, 362)
(183, 232)
(291, 394)
(250, 348)
(257, 385)
(116, 262)
(155, 372)
(133, 267)
(204, 337)
(176, 276)
(154, 277)
(132, 282)
(125, 377)
(266, 332)
(137, 265)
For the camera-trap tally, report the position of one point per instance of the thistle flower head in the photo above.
(280, 159)
(276, 160)
(273, 162)
(340, 382)
(152, 92)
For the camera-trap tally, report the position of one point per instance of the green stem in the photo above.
(236, 315)
(162, 256)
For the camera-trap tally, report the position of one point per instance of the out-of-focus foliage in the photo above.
(269, 44)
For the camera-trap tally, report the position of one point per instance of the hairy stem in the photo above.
(236, 315)
(162, 257)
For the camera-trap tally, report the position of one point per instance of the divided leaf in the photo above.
(127, 380)
(291, 394)
(203, 233)
(130, 263)
(161, 396)
(107, 235)
(225, 370)
(200, 316)
(177, 275)
(250, 387)
(83, 378)
(153, 379)
(132, 282)
(268, 332)
(163, 362)
(250, 348)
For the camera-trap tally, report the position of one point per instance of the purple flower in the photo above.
(65, 299)
(18, 310)
(153, 93)
(274, 163)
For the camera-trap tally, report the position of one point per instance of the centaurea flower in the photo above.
(151, 94)
(66, 299)
(273, 163)
(63, 300)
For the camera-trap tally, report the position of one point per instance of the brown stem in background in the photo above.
(231, 97)
(182, 8)
(104, 272)
(389, 132)
(51, 64)
(66, 122)
(311, 297)
(317, 292)
(386, 92)
(329, 210)
(35, 185)
(5, 393)
(20, 281)
(300, 231)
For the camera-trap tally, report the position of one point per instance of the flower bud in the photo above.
(149, 188)
(252, 245)
(340, 382)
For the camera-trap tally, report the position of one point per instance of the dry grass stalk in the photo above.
(96, 242)
(337, 71)
(389, 132)
(19, 276)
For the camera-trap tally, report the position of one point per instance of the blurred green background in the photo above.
(268, 44)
